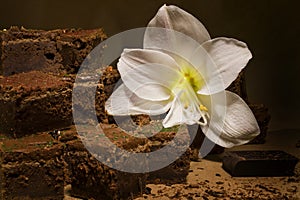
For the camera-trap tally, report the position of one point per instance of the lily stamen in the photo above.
(203, 108)
(203, 117)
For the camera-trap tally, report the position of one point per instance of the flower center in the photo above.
(186, 89)
(193, 77)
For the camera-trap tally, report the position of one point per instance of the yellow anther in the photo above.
(203, 108)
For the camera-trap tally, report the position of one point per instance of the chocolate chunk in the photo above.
(259, 163)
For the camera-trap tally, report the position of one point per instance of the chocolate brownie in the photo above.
(59, 51)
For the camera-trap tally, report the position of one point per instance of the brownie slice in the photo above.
(34, 101)
(90, 178)
(31, 168)
(37, 101)
(59, 51)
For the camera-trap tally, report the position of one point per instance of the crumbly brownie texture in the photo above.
(58, 51)
(37, 101)
(31, 168)
(38, 166)
(34, 101)
(91, 179)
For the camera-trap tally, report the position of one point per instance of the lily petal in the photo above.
(175, 31)
(230, 57)
(172, 17)
(123, 102)
(148, 73)
(176, 44)
(209, 71)
(240, 125)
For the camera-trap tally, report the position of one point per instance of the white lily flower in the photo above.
(181, 76)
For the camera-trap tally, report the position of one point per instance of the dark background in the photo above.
(271, 28)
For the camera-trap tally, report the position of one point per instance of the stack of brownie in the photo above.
(40, 150)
